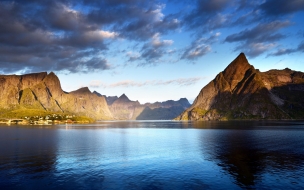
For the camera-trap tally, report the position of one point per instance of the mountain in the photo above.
(109, 99)
(243, 92)
(167, 110)
(42, 92)
(123, 108)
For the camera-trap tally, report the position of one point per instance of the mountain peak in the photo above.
(82, 90)
(123, 97)
(239, 62)
(97, 93)
(236, 70)
(51, 76)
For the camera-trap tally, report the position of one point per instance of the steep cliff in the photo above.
(243, 92)
(42, 91)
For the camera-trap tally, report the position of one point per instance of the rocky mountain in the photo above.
(40, 92)
(123, 108)
(243, 92)
(109, 99)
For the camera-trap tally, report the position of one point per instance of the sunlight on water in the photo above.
(153, 155)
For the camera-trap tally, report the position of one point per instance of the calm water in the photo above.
(153, 155)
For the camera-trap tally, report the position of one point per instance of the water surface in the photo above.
(153, 155)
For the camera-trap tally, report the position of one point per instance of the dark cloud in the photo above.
(61, 35)
(77, 36)
(281, 51)
(259, 39)
(282, 7)
(207, 15)
(137, 22)
(301, 47)
(261, 32)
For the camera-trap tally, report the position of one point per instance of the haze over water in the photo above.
(153, 155)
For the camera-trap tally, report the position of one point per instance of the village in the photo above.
(40, 120)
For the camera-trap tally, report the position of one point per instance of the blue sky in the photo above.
(149, 50)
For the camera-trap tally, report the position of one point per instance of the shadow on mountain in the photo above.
(160, 113)
(292, 95)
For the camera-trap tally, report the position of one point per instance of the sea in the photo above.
(153, 155)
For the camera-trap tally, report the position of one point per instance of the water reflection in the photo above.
(250, 155)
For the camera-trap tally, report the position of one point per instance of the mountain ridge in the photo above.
(122, 108)
(41, 93)
(243, 92)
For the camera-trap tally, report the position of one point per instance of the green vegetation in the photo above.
(199, 111)
(42, 115)
(82, 119)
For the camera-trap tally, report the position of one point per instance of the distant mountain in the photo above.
(123, 108)
(40, 92)
(109, 99)
(243, 92)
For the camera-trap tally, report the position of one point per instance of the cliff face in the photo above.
(243, 92)
(42, 91)
(123, 108)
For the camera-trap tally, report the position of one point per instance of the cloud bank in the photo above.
(130, 83)
(81, 36)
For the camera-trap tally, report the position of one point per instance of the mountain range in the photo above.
(122, 108)
(41, 94)
(243, 92)
(238, 92)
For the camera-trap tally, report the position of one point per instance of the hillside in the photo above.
(30, 94)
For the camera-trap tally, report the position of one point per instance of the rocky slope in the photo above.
(123, 108)
(243, 92)
(42, 91)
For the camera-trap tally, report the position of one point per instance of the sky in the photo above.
(149, 50)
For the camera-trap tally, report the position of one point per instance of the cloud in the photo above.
(74, 36)
(261, 32)
(130, 83)
(259, 39)
(301, 47)
(96, 84)
(200, 47)
(282, 7)
(152, 51)
(284, 51)
(140, 20)
(207, 15)
(255, 49)
(156, 42)
(80, 36)
(196, 50)
(133, 56)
